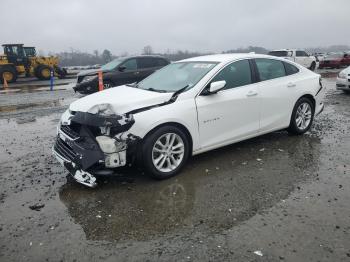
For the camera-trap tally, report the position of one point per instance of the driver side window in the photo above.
(235, 74)
(130, 65)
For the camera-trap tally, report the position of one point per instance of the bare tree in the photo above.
(147, 50)
(107, 56)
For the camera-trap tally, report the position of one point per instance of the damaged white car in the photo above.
(186, 108)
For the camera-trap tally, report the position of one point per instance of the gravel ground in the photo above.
(273, 198)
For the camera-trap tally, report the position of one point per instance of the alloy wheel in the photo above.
(168, 152)
(303, 116)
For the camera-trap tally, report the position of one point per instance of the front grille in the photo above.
(64, 149)
(70, 132)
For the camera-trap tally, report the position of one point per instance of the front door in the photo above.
(232, 114)
(129, 75)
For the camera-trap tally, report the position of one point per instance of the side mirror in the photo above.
(121, 68)
(217, 86)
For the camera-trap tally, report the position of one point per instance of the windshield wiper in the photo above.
(177, 93)
(156, 90)
(171, 100)
(133, 85)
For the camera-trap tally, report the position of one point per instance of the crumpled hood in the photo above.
(122, 99)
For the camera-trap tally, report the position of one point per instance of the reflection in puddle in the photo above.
(10, 108)
(214, 192)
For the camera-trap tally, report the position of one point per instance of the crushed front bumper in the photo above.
(80, 149)
(79, 175)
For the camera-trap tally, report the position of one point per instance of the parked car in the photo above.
(120, 71)
(319, 56)
(337, 60)
(297, 56)
(343, 80)
(186, 108)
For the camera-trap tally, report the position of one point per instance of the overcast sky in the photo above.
(195, 25)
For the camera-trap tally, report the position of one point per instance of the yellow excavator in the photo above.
(20, 60)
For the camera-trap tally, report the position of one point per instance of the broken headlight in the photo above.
(102, 109)
(88, 78)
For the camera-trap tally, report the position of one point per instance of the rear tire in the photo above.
(302, 117)
(43, 72)
(165, 152)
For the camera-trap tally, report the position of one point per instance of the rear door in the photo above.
(277, 91)
(146, 65)
(301, 57)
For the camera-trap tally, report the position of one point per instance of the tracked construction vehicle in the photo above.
(19, 60)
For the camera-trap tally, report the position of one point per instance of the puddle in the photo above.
(11, 108)
(214, 192)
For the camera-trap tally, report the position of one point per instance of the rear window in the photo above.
(280, 53)
(290, 69)
(269, 68)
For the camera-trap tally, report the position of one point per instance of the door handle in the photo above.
(291, 85)
(136, 73)
(252, 93)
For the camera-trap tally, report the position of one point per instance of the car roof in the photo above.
(140, 56)
(221, 58)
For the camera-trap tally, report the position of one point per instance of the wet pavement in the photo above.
(272, 198)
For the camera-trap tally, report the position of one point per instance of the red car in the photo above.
(335, 61)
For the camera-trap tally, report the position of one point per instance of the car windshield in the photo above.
(113, 64)
(176, 76)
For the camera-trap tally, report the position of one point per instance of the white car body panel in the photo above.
(211, 120)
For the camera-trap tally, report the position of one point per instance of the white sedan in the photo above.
(186, 108)
(343, 80)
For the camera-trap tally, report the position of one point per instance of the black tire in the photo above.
(61, 72)
(313, 66)
(8, 70)
(293, 126)
(41, 72)
(147, 151)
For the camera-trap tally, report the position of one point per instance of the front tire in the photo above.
(302, 116)
(165, 151)
(9, 73)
